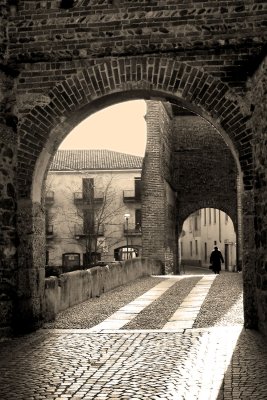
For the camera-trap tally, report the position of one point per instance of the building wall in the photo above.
(64, 214)
(211, 230)
(67, 38)
(255, 280)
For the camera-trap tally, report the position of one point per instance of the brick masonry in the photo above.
(213, 185)
(159, 199)
(62, 60)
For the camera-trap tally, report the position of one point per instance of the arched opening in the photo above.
(201, 231)
(225, 113)
(182, 124)
(94, 181)
(126, 253)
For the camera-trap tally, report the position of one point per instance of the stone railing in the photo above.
(75, 287)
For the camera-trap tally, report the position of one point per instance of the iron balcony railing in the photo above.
(79, 198)
(132, 229)
(129, 196)
(81, 232)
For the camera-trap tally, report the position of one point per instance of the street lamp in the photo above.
(127, 216)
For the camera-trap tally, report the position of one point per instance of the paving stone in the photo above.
(216, 362)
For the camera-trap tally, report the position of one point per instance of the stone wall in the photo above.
(78, 286)
(257, 247)
(8, 194)
(28, 305)
(216, 34)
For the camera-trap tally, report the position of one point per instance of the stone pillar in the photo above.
(29, 311)
(158, 221)
(249, 262)
(8, 236)
(239, 235)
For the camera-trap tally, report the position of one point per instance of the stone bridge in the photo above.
(200, 66)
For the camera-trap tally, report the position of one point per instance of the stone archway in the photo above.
(84, 93)
(91, 89)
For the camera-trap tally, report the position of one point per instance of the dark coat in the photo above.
(215, 259)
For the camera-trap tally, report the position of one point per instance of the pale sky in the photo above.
(120, 127)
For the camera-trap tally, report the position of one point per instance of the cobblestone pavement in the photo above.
(220, 360)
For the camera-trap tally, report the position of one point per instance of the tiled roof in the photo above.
(66, 160)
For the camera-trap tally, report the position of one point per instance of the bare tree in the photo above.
(93, 220)
(100, 226)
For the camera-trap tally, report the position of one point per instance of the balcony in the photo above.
(79, 199)
(133, 230)
(49, 231)
(49, 197)
(129, 196)
(79, 231)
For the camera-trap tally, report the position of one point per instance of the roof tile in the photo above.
(66, 160)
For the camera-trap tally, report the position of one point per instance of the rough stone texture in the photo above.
(258, 93)
(8, 235)
(28, 313)
(63, 60)
(221, 361)
(223, 37)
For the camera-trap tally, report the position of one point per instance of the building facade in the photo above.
(93, 207)
(203, 230)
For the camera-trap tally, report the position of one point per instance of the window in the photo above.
(138, 219)
(88, 190)
(205, 216)
(205, 251)
(191, 248)
(46, 257)
(215, 215)
(128, 253)
(121, 253)
(137, 188)
(196, 247)
(71, 260)
(209, 216)
(88, 222)
(226, 218)
(182, 249)
(196, 223)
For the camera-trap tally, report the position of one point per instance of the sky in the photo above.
(120, 127)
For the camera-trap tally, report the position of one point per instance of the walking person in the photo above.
(215, 259)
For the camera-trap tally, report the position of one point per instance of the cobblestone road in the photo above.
(219, 360)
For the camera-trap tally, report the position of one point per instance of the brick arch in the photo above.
(127, 78)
